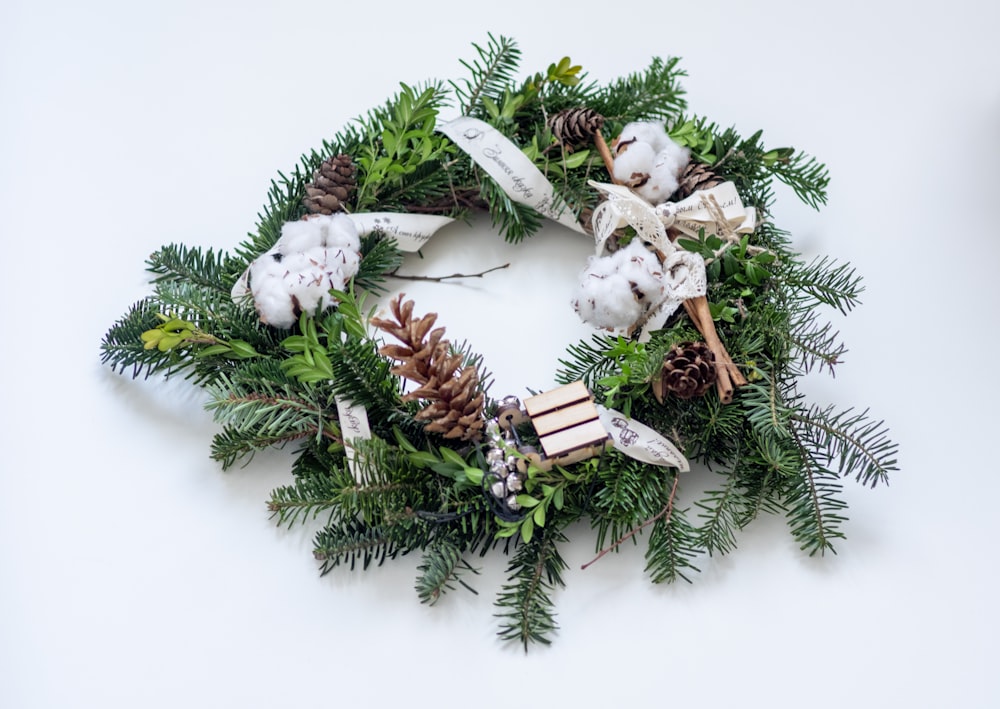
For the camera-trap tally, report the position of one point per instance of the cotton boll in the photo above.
(630, 166)
(615, 291)
(299, 271)
(299, 236)
(642, 269)
(648, 132)
(663, 180)
(340, 231)
(606, 301)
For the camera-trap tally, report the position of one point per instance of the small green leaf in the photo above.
(527, 529)
(213, 350)
(474, 475)
(243, 349)
(539, 515)
(452, 457)
(527, 501)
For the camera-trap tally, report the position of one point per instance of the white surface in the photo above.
(136, 574)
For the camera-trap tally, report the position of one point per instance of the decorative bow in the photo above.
(717, 210)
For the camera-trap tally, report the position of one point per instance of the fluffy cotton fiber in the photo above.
(648, 160)
(296, 275)
(615, 291)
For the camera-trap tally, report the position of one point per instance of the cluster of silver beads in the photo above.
(503, 478)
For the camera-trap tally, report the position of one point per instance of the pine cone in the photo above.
(696, 176)
(332, 186)
(688, 371)
(574, 126)
(456, 399)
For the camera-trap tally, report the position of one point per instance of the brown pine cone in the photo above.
(332, 186)
(574, 126)
(455, 398)
(688, 371)
(696, 176)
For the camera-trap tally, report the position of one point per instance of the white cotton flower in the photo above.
(614, 291)
(632, 165)
(296, 275)
(645, 149)
(649, 132)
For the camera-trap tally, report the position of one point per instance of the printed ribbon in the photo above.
(639, 441)
(353, 425)
(510, 167)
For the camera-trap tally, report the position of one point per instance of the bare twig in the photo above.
(664, 513)
(439, 279)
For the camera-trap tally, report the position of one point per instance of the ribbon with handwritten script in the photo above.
(639, 441)
(353, 425)
(411, 231)
(510, 168)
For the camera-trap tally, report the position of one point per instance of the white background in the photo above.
(135, 573)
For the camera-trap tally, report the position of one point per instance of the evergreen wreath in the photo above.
(704, 330)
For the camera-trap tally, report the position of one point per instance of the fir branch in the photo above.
(807, 176)
(849, 441)
(260, 415)
(494, 69)
(380, 255)
(652, 94)
(350, 541)
(526, 608)
(722, 511)
(825, 281)
(232, 444)
(588, 361)
(514, 220)
(177, 262)
(663, 514)
(817, 344)
(440, 569)
(122, 346)
(673, 543)
(309, 496)
(814, 508)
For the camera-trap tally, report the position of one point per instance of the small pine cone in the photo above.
(696, 176)
(574, 126)
(688, 371)
(453, 395)
(332, 186)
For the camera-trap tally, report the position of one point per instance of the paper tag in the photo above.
(639, 441)
(353, 425)
(703, 209)
(411, 231)
(512, 169)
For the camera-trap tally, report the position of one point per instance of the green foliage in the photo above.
(406, 490)
(524, 605)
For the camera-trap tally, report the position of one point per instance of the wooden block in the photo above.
(572, 415)
(570, 439)
(556, 398)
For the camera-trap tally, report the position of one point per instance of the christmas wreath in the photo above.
(705, 321)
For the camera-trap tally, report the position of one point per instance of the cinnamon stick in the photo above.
(727, 374)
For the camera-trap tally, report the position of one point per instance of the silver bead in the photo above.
(512, 502)
(498, 489)
(494, 455)
(514, 482)
(510, 402)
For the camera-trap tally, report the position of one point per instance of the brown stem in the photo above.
(727, 374)
(665, 513)
(605, 151)
(439, 279)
